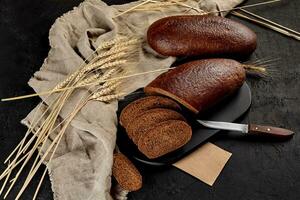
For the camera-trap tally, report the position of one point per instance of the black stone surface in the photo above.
(257, 170)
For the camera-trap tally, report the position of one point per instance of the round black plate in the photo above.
(228, 110)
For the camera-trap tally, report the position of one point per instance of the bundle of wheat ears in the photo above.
(102, 73)
(110, 60)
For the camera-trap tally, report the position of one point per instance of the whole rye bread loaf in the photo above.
(137, 107)
(164, 138)
(148, 120)
(126, 173)
(198, 85)
(201, 35)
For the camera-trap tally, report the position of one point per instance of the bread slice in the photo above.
(166, 137)
(148, 119)
(126, 173)
(198, 85)
(137, 107)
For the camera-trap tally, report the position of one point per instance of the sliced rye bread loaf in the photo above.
(199, 85)
(166, 137)
(126, 173)
(137, 107)
(149, 119)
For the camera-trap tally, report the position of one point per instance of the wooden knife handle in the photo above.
(269, 131)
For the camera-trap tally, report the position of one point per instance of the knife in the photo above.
(252, 129)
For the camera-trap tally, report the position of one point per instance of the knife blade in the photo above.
(253, 129)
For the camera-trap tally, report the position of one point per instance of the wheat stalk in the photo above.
(106, 91)
(66, 81)
(35, 122)
(269, 24)
(108, 98)
(33, 171)
(186, 5)
(132, 41)
(100, 63)
(38, 143)
(20, 147)
(118, 47)
(240, 7)
(113, 64)
(154, 6)
(89, 84)
(145, 6)
(104, 45)
(108, 44)
(88, 80)
(5, 181)
(58, 137)
(128, 46)
(39, 185)
(107, 74)
(44, 129)
(132, 8)
(35, 166)
(11, 166)
(47, 127)
(255, 68)
(114, 50)
(55, 142)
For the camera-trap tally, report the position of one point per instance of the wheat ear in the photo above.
(113, 51)
(113, 64)
(89, 79)
(66, 81)
(110, 97)
(108, 44)
(255, 68)
(106, 91)
(104, 45)
(101, 62)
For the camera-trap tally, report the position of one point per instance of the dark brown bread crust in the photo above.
(126, 173)
(137, 107)
(200, 84)
(204, 35)
(164, 138)
(148, 120)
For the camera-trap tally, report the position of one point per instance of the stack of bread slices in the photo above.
(155, 125)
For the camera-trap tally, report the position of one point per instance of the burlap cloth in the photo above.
(81, 167)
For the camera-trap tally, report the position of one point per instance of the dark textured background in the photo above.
(257, 169)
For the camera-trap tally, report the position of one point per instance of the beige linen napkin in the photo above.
(81, 167)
